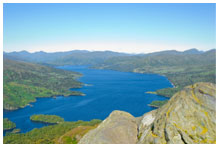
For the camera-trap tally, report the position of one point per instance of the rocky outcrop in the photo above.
(188, 117)
(119, 128)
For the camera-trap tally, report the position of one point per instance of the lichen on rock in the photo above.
(188, 117)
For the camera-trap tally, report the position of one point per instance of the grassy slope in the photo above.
(158, 103)
(25, 81)
(47, 118)
(73, 136)
(48, 134)
(180, 69)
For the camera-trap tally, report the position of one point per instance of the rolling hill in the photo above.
(74, 57)
(23, 82)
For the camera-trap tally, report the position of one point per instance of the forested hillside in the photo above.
(23, 82)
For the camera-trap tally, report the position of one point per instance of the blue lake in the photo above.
(106, 91)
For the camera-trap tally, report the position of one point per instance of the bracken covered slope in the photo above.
(188, 117)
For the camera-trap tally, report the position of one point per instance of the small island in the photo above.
(14, 131)
(49, 119)
(8, 125)
(157, 104)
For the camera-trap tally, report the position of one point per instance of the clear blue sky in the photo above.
(118, 27)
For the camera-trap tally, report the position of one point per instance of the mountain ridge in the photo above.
(72, 57)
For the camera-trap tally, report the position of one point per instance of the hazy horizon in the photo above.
(127, 28)
(108, 50)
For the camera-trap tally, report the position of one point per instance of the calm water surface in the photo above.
(107, 90)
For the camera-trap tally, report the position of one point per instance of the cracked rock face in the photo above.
(119, 128)
(188, 117)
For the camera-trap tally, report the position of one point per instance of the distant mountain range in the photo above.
(174, 52)
(39, 57)
(75, 57)
(82, 57)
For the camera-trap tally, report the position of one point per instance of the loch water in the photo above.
(105, 91)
